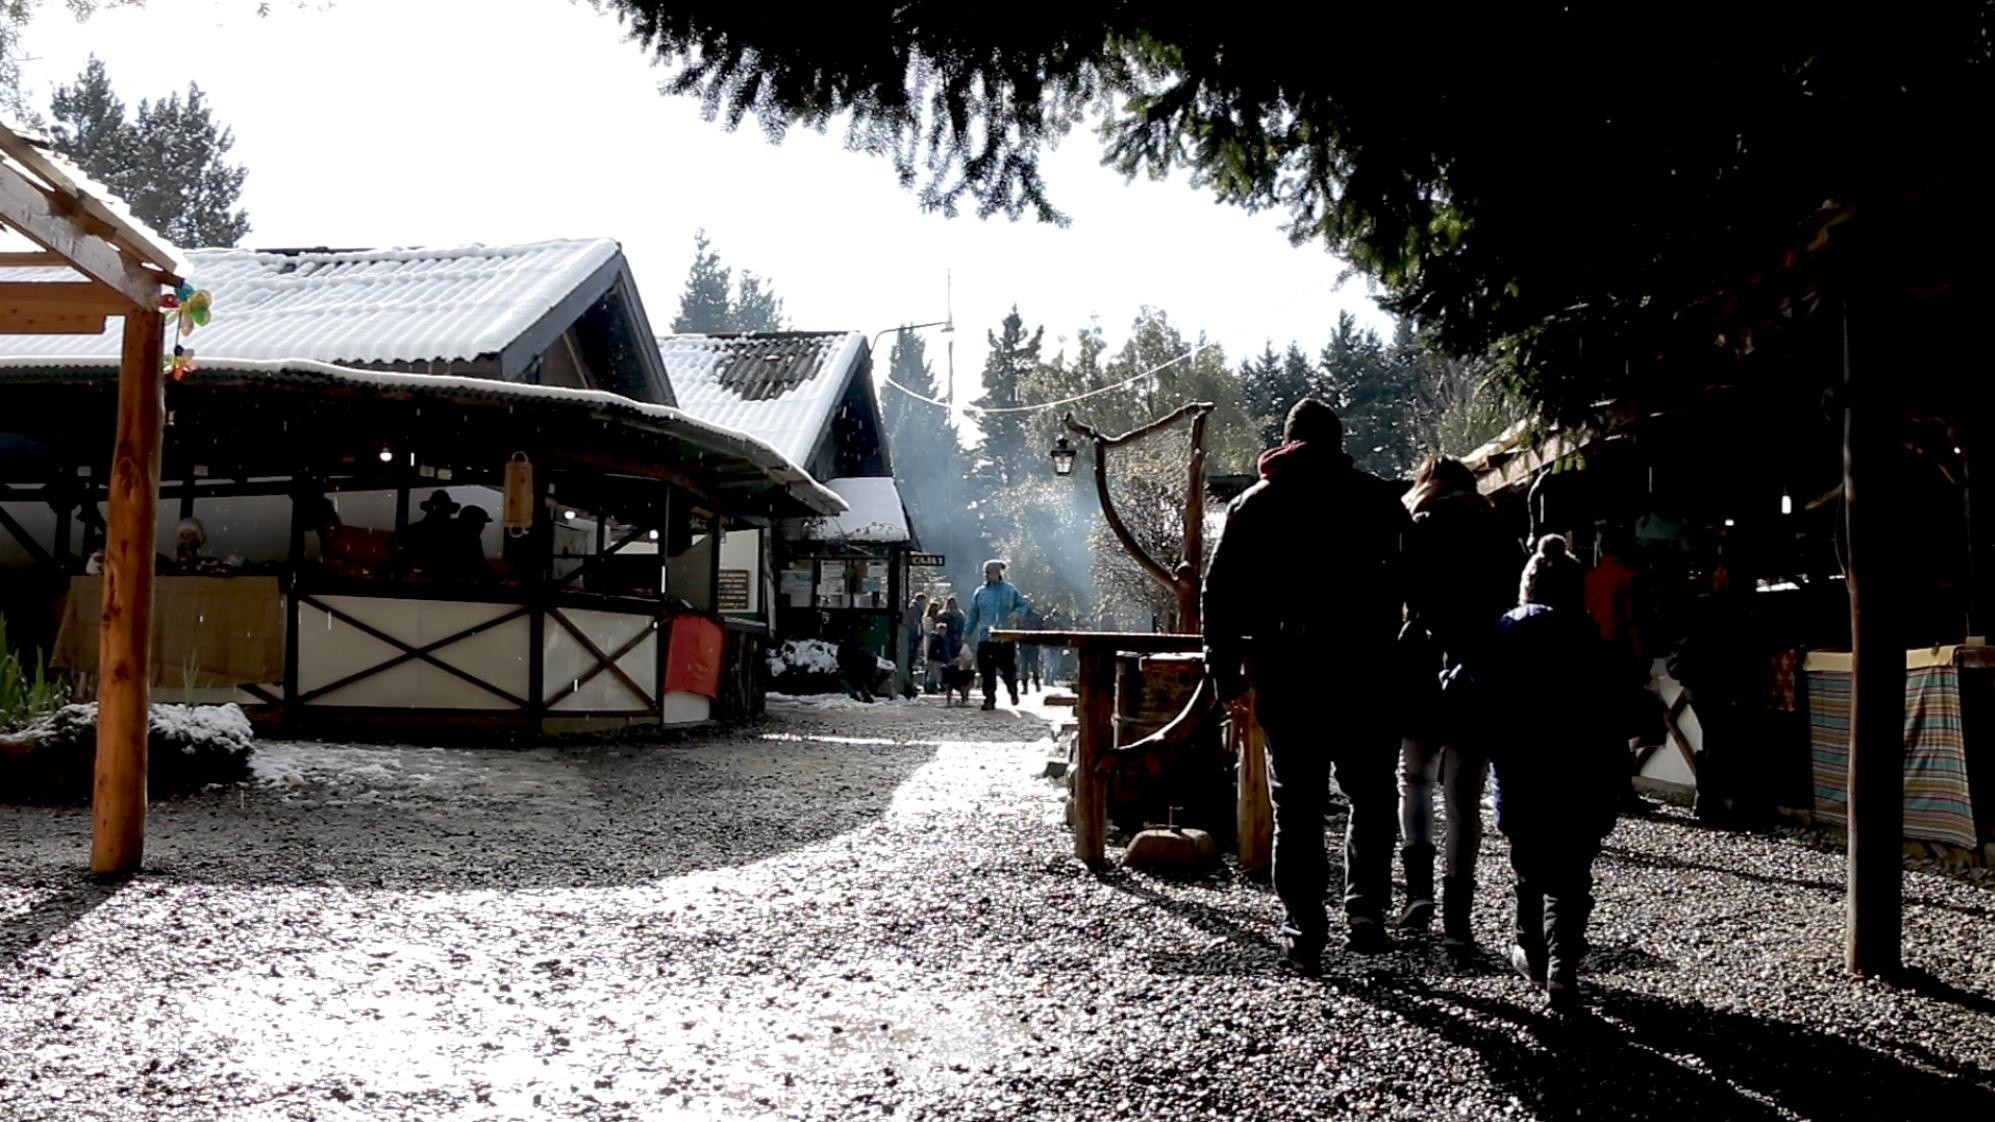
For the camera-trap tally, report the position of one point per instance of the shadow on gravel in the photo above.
(1644, 1059)
(65, 902)
(1627, 856)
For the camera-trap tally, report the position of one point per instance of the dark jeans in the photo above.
(994, 659)
(1554, 894)
(1310, 737)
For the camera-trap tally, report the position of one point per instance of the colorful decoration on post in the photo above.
(189, 308)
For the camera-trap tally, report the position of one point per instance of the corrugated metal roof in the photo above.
(663, 418)
(876, 513)
(361, 306)
(782, 388)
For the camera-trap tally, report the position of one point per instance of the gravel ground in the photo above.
(857, 913)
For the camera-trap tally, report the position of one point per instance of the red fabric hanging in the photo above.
(692, 662)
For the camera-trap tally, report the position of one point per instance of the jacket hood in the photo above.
(1302, 457)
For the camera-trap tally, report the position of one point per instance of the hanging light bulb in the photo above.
(387, 456)
(1786, 503)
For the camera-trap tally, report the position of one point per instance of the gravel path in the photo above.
(845, 913)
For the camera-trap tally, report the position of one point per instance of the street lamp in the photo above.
(1063, 457)
(948, 327)
(1183, 581)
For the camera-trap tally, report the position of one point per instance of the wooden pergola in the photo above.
(95, 262)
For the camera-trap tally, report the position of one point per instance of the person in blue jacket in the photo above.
(1555, 704)
(996, 605)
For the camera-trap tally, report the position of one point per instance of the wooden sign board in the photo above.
(926, 560)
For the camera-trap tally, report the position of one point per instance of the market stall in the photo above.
(1943, 773)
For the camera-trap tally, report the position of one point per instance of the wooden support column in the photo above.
(1096, 692)
(1254, 813)
(117, 843)
(1875, 904)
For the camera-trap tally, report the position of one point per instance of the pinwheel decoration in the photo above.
(190, 307)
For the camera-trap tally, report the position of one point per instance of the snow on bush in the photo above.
(810, 666)
(50, 759)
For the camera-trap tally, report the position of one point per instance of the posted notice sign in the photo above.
(926, 560)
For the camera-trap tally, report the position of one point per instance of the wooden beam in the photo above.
(139, 243)
(66, 296)
(35, 260)
(1254, 813)
(117, 839)
(1874, 917)
(35, 319)
(1097, 738)
(23, 207)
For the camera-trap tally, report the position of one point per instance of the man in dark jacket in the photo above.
(1319, 665)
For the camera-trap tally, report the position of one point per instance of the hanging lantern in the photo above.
(1063, 457)
(519, 495)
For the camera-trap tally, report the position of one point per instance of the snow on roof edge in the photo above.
(779, 467)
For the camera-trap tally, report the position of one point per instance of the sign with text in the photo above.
(734, 590)
(926, 560)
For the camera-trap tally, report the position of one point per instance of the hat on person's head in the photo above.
(994, 563)
(1311, 420)
(191, 530)
(475, 514)
(440, 502)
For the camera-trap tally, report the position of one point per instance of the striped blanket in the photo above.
(1937, 807)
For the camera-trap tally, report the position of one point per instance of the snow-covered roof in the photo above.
(48, 170)
(392, 384)
(358, 306)
(781, 387)
(876, 513)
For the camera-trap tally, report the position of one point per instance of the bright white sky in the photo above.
(443, 122)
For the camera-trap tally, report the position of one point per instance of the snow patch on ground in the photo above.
(831, 701)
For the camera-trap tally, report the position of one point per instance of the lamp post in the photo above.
(948, 327)
(1183, 582)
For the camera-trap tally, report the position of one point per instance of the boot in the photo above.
(1457, 900)
(1418, 861)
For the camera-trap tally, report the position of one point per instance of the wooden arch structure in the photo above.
(93, 262)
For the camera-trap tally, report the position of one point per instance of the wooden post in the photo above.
(1192, 571)
(1254, 814)
(124, 642)
(1096, 692)
(1875, 904)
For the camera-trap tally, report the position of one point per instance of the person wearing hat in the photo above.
(427, 542)
(997, 604)
(467, 544)
(1319, 666)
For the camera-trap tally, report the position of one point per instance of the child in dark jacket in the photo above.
(1558, 755)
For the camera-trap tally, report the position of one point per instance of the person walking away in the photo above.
(1613, 594)
(857, 666)
(939, 655)
(1724, 666)
(1462, 567)
(1319, 666)
(913, 638)
(952, 615)
(930, 620)
(995, 606)
(1029, 656)
(1557, 744)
